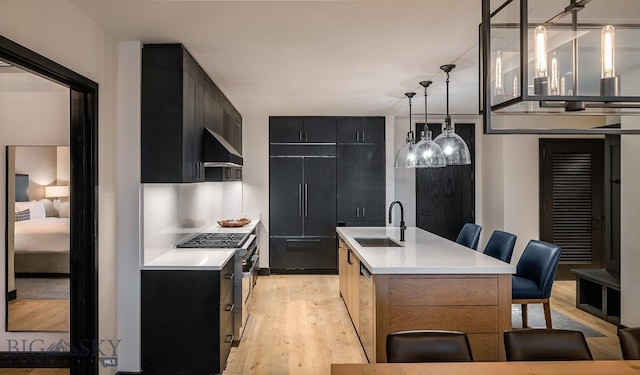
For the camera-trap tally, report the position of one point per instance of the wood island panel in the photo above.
(477, 291)
(479, 305)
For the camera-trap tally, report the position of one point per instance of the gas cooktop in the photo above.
(214, 240)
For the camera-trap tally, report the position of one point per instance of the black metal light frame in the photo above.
(577, 102)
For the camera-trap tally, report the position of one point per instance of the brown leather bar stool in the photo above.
(428, 346)
(546, 345)
(630, 343)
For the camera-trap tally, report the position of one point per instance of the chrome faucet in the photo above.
(402, 226)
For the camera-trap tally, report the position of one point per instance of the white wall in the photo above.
(404, 179)
(255, 174)
(511, 176)
(128, 204)
(629, 220)
(58, 31)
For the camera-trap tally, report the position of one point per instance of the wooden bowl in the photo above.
(234, 222)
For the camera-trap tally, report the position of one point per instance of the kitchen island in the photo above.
(427, 282)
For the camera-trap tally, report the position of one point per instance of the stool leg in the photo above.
(547, 314)
(525, 322)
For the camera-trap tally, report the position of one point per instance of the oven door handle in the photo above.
(251, 240)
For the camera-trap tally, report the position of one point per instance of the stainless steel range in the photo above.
(214, 240)
(245, 268)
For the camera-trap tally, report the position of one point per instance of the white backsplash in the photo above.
(172, 212)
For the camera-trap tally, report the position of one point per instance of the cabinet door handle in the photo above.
(357, 135)
(300, 135)
(363, 136)
(299, 200)
(228, 339)
(306, 200)
(306, 135)
(357, 211)
(363, 214)
(229, 307)
(229, 276)
(349, 256)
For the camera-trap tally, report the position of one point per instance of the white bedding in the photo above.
(50, 234)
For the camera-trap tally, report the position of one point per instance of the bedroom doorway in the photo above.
(38, 237)
(81, 135)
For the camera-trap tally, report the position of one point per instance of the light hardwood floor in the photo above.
(39, 315)
(299, 325)
(563, 299)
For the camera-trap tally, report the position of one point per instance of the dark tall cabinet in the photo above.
(445, 197)
(317, 182)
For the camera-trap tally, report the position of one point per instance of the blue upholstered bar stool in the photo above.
(469, 236)
(534, 276)
(500, 245)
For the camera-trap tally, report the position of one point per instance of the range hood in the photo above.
(218, 152)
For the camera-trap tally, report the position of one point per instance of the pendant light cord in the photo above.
(410, 136)
(425, 84)
(447, 68)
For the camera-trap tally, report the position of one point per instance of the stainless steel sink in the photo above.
(377, 242)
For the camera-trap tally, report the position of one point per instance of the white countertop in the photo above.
(205, 259)
(422, 252)
(184, 259)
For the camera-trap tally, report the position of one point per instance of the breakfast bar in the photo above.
(424, 282)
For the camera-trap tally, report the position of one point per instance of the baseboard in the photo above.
(264, 272)
(11, 295)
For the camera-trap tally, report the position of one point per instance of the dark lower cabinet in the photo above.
(302, 253)
(187, 321)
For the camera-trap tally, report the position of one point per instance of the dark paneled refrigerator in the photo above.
(302, 206)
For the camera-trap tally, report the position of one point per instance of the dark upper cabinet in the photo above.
(361, 183)
(178, 101)
(170, 151)
(360, 130)
(302, 130)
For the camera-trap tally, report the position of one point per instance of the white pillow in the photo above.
(36, 209)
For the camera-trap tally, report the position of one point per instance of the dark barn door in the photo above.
(445, 197)
(571, 201)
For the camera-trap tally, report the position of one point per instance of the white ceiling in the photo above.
(322, 57)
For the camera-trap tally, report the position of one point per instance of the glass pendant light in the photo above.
(455, 149)
(407, 156)
(429, 154)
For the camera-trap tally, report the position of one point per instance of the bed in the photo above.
(40, 242)
(42, 245)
